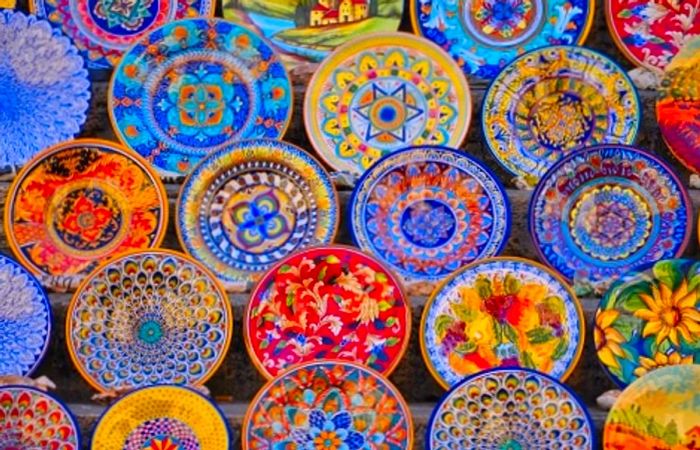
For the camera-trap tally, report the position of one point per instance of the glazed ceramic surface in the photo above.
(510, 409)
(145, 318)
(327, 303)
(162, 418)
(649, 319)
(247, 206)
(553, 101)
(428, 211)
(604, 210)
(328, 404)
(381, 93)
(79, 203)
(657, 412)
(196, 86)
(501, 312)
(485, 35)
(45, 89)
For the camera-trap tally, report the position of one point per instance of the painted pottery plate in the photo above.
(633, 333)
(604, 210)
(381, 93)
(45, 89)
(25, 320)
(502, 312)
(553, 101)
(32, 419)
(79, 203)
(104, 29)
(162, 418)
(245, 207)
(658, 411)
(327, 303)
(196, 86)
(150, 317)
(428, 211)
(304, 32)
(510, 408)
(485, 35)
(346, 404)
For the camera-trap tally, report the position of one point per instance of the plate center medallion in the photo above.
(561, 121)
(124, 17)
(428, 223)
(162, 434)
(502, 23)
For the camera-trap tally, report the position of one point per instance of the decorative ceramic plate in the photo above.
(45, 89)
(381, 93)
(485, 35)
(633, 333)
(32, 419)
(602, 211)
(245, 207)
(510, 409)
(428, 211)
(555, 100)
(327, 303)
(25, 320)
(79, 203)
(307, 31)
(328, 404)
(195, 86)
(659, 411)
(104, 29)
(162, 418)
(151, 317)
(502, 312)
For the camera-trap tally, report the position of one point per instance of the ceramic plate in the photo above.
(485, 35)
(501, 312)
(32, 419)
(428, 211)
(79, 203)
(45, 89)
(659, 411)
(104, 29)
(381, 93)
(150, 317)
(245, 207)
(633, 335)
(162, 418)
(307, 31)
(195, 86)
(328, 404)
(555, 100)
(327, 303)
(604, 210)
(25, 320)
(510, 409)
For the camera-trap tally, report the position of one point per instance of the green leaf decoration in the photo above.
(629, 299)
(560, 349)
(498, 331)
(392, 341)
(528, 361)
(285, 268)
(391, 321)
(264, 345)
(384, 306)
(332, 259)
(463, 313)
(290, 299)
(281, 345)
(512, 284)
(510, 333)
(465, 348)
(668, 273)
(322, 273)
(624, 14)
(626, 325)
(555, 304)
(380, 277)
(539, 335)
(442, 324)
(483, 288)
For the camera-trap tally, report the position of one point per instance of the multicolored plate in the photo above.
(510, 409)
(485, 35)
(553, 101)
(45, 89)
(502, 312)
(104, 29)
(25, 320)
(327, 303)
(649, 319)
(245, 207)
(196, 86)
(79, 203)
(162, 418)
(32, 419)
(381, 93)
(328, 404)
(601, 211)
(428, 211)
(657, 412)
(150, 317)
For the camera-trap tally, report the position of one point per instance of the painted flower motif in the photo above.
(428, 225)
(503, 17)
(608, 340)
(259, 220)
(670, 314)
(329, 432)
(162, 443)
(661, 360)
(88, 217)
